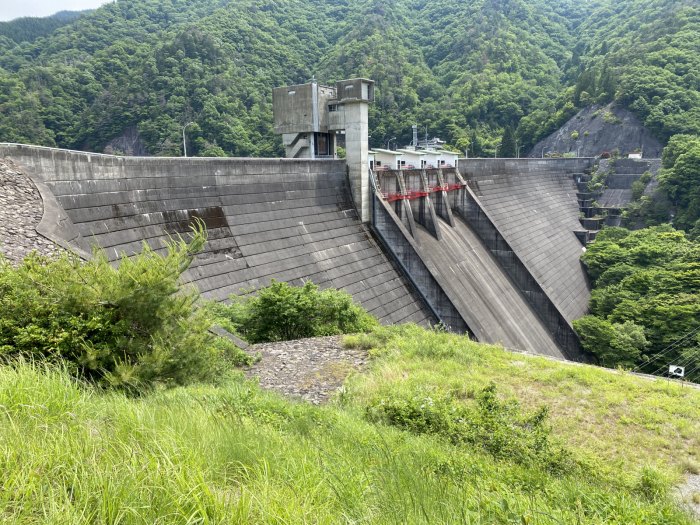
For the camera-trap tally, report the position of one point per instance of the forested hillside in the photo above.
(28, 29)
(482, 74)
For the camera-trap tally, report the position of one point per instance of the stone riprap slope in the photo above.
(310, 369)
(21, 210)
(533, 204)
(597, 129)
(291, 220)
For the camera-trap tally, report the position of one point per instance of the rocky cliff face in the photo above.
(597, 129)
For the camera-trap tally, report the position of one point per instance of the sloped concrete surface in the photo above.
(291, 220)
(533, 204)
(481, 291)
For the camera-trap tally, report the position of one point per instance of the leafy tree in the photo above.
(508, 143)
(646, 298)
(614, 344)
(681, 179)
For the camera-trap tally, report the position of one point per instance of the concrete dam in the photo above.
(489, 248)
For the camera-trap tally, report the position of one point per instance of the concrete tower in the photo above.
(310, 116)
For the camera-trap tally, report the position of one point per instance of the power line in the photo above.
(683, 364)
(666, 350)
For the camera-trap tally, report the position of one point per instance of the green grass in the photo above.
(235, 454)
(626, 421)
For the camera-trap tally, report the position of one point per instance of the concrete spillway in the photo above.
(493, 308)
(291, 220)
(533, 205)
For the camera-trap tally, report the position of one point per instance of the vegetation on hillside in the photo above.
(680, 180)
(235, 454)
(29, 29)
(131, 327)
(483, 75)
(644, 53)
(645, 305)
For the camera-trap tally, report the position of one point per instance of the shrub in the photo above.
(496, 427)
(281, 312)
(127, 327)
(638, 188)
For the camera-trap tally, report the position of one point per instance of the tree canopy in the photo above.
(470, 72)
(645, 305)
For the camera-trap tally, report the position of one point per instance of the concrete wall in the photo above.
(533, 205)
(292, 220)
(483, 167)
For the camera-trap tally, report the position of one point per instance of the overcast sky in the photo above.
(10, 9)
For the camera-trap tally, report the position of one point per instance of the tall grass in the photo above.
(234, 454)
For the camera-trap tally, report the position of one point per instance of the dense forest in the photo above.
(482, 74)
(28, 29)
(645, 305)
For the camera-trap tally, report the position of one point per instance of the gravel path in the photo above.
(21, 209)
(310, 369)
(687, 491)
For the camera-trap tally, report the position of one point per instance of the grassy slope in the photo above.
(626, 420)
(233, 454)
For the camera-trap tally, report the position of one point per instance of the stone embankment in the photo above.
(310, 369)
(21, 210)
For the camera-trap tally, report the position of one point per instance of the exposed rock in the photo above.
(311, 369)
(128, 143)
(21, 210)
(596, 129)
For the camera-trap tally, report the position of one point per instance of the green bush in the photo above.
(615, 344)
(281, 312)
(638, 188)
(128, 327)
(495, 426)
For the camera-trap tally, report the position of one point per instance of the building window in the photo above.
(442, 163)
(379, 163)
(332, 107)
(402, 162)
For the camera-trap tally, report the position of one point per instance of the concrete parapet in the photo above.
(482, 167)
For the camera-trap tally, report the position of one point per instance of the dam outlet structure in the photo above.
(489, 247)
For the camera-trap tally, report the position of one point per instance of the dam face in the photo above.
(287, 219)
(489, 249)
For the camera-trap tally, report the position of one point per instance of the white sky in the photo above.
(11, 9)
